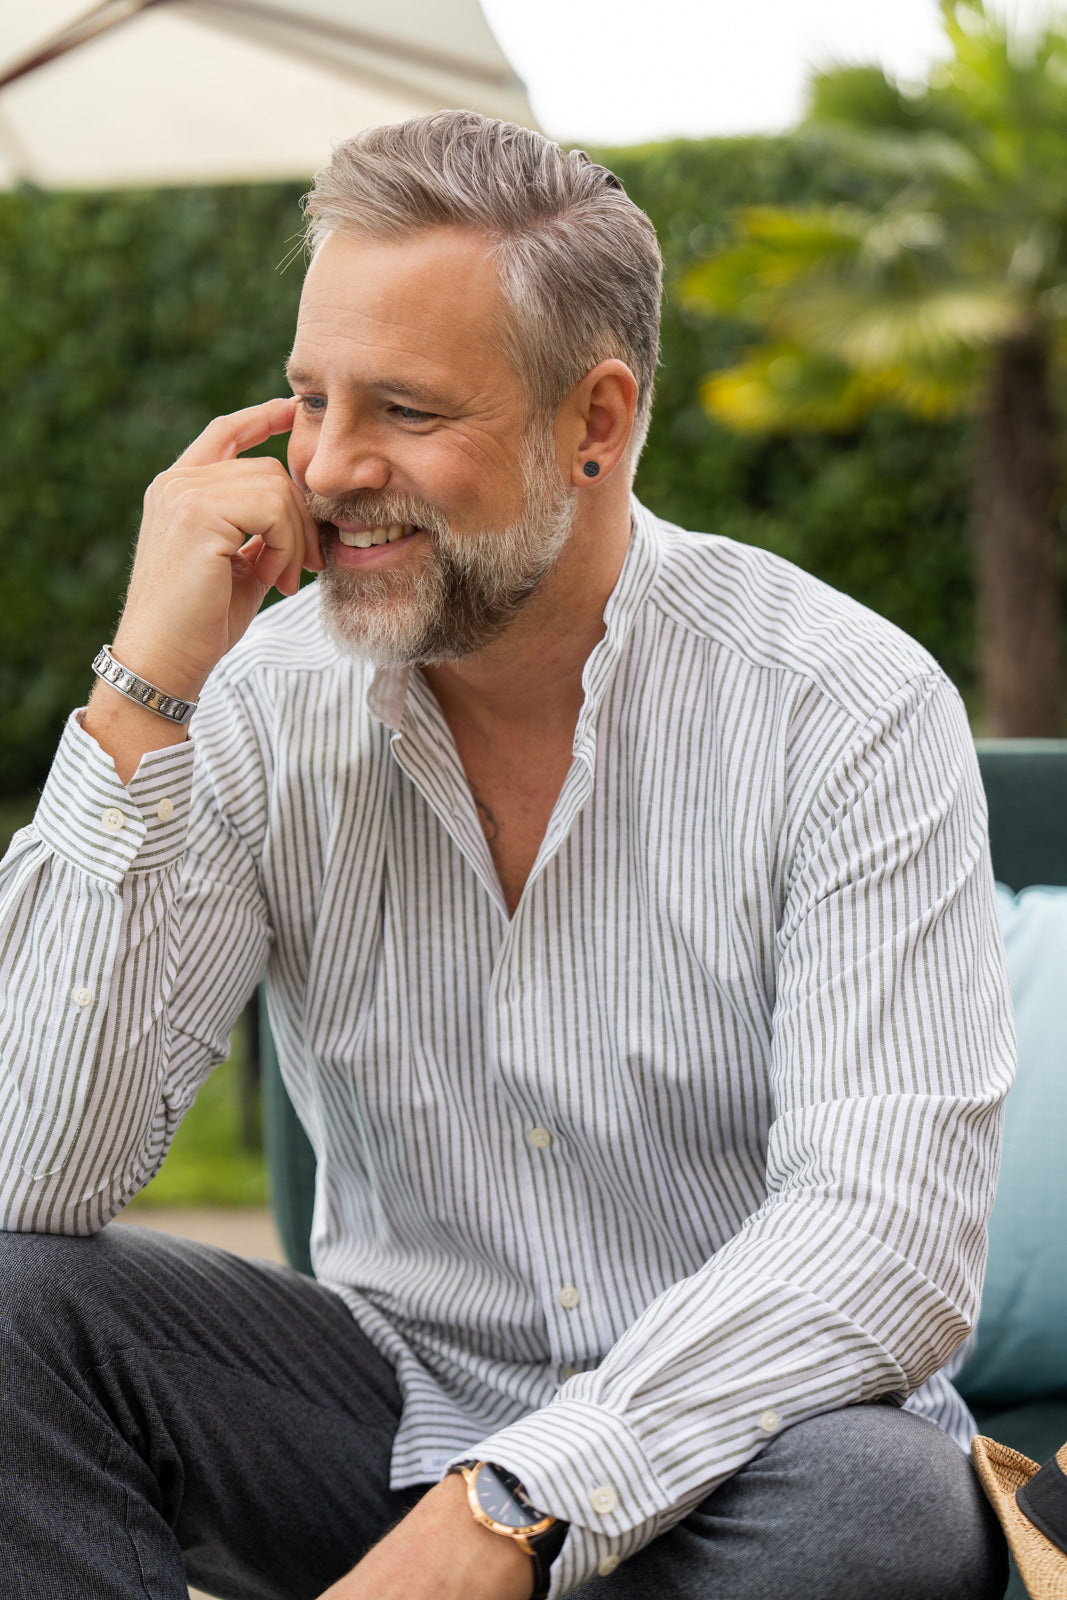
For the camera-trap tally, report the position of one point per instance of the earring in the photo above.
(591, 469)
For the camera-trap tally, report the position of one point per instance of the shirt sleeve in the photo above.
(122, 973)
(861, 1273)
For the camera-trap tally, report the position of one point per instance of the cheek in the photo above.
(297, 455)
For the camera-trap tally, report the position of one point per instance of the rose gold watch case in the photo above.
(522, 1535)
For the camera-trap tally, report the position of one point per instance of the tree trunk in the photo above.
(1016, 481)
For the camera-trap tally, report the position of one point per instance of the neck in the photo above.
(532, 673)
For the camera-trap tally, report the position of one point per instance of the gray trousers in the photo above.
(171, 1414)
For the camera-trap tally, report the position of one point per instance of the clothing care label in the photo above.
(432, 1463)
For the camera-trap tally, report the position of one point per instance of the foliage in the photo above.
(211, 1161)
(905, 301)
(126, 321)
(879, 509)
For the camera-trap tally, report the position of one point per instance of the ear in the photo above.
(595, 421)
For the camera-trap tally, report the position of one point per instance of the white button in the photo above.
(82, 997)
(165, 810)
(540, 1138)
(604, 1500)
(113, 819)
(568, 1297)
(607, 1564)
(769, 1421)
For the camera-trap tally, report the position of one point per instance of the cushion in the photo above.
(1020, 1349)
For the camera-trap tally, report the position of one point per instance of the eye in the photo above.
(311, 402)
(410, 414)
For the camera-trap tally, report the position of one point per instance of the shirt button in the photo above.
(604, 1500)
(769, 1421)
(82, 997)
(607, 1564)
(113, 819)
(540, 1138)
(568, 1297)
(165, 810)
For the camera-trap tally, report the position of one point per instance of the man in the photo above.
(630, 946)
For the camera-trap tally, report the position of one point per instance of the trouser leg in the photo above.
(868, 1503)
(171, 1413)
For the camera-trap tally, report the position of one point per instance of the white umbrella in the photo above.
(225, 91)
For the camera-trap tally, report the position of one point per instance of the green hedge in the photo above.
(127, 321)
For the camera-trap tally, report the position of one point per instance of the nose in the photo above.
(338, 459)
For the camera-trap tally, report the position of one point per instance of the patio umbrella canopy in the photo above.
(145, 92)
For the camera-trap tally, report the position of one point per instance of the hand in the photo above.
(217, 533)
(439, 1552)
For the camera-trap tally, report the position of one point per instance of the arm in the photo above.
(860, 1273)
(94, 1075)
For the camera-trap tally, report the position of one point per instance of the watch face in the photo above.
(501, 1497)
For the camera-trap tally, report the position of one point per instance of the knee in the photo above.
(895, 1505)
(46, 1280)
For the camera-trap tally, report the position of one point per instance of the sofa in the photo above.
(1015, 1374)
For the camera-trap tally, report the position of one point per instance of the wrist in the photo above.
(157, 665)
(498, 1502)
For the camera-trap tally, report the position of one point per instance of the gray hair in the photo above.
(579, 263)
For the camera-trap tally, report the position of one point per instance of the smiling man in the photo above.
(624, 902)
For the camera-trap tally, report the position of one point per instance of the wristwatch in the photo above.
(499, 1502)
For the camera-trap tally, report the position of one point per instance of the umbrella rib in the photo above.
(111, 13)
(90, 25)
(418, 55)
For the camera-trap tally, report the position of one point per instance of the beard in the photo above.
(464, 591)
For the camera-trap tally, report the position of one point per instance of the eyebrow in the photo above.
(385, 385)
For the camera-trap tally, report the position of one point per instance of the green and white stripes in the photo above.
(699, 1143)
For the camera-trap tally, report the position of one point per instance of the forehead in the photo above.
(427, 305)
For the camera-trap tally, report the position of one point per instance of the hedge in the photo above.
(128, 320)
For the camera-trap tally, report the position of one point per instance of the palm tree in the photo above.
(949, 297)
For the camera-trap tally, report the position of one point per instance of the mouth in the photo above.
(363, 536)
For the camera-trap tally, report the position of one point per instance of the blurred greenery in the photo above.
(945, 295)
(128, 320)
(215, 1159)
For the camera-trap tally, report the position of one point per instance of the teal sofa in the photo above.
(1015, 1379)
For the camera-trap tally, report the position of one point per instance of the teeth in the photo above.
(370, 536)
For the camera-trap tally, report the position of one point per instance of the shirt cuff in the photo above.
(584, 1464)
(107, 828)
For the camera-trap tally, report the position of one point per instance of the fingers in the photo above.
(227, 436)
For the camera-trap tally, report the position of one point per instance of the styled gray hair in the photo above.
(579, 263)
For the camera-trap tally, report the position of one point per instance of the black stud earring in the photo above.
(591, 469)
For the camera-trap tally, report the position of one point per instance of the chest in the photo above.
(515, 787)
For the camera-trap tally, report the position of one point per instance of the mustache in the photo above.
(379, 509)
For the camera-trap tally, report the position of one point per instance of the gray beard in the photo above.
(466, 589)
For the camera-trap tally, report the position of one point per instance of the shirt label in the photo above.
(432, 1463)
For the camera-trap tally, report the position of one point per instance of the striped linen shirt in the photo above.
(699, 1143)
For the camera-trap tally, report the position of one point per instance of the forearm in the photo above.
(439, 1552)
(126, 730)
(104, 1035)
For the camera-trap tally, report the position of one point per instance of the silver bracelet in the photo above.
(140, 690)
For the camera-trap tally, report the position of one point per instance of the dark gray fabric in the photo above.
(162, 1400)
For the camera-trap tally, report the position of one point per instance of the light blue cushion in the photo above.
(1020, 1349)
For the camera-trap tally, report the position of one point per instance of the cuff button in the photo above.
(769, 1421)
(607, 1564)
(604, 1500)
